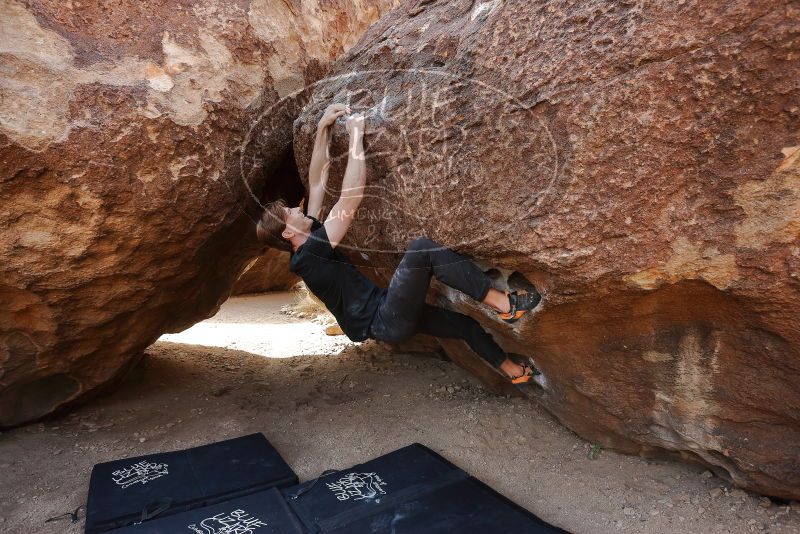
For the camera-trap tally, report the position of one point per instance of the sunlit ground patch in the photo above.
(255, 324)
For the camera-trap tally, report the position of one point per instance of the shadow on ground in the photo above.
(330, 411)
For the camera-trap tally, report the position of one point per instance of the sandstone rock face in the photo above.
(638, 162)
(136, 139)
(269, 272)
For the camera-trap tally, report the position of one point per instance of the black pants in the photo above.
(403, 311)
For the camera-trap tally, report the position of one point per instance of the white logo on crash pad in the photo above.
(142, 472)
(357, 486)
(236, 522)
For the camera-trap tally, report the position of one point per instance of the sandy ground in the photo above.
(326, 402)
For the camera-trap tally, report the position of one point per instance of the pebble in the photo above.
(716, 492)
(707, 474)
(142, 440)
(764, 502)
(681, 497)
(628, 511)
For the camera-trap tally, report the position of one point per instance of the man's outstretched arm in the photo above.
(355, 177)
(320, 159)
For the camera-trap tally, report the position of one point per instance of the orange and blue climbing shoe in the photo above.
(528, 372)
(520, 304)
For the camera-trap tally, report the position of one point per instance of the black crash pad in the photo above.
(177, 481)
(264, 512)
(412, 490)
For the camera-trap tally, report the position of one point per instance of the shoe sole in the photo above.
(513, 319)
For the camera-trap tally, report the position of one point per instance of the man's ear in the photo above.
(287, 234)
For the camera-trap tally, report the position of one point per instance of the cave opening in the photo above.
(256, 321)
(268, 270)
(283, 180)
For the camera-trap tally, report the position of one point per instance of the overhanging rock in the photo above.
(640, 165)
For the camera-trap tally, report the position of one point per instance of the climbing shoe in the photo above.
(528, 373)
(521, 303)
(529, 370)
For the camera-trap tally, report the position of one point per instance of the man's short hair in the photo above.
(271, 226)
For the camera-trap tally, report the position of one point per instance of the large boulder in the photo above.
(639, 163)
(136, 140)
(269, 272)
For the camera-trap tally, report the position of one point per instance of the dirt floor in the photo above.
(326, 402)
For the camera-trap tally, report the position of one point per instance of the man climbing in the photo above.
(363, 309)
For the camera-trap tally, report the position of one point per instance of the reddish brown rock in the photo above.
(638, 162)
(269, 272)
(136, 138)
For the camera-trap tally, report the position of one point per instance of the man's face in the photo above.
(296, 222)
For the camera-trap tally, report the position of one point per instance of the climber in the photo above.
(363, 309)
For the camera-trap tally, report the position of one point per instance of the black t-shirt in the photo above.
(349, 295)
